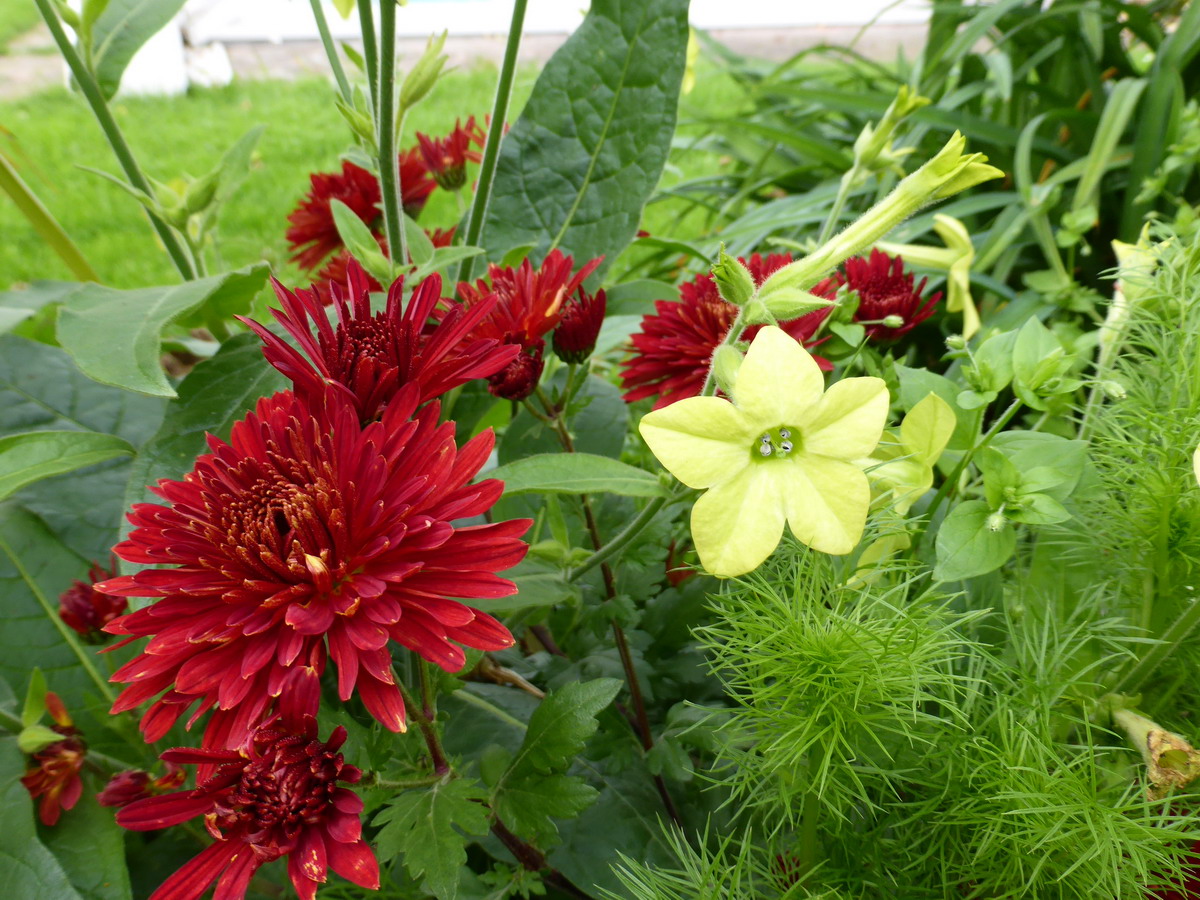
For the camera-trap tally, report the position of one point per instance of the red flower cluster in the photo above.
(280, 796)
(673, 350)
(55, 775)
(446, 158)
(369, 358)
(86, 610)
(529, 305)
(134, 784)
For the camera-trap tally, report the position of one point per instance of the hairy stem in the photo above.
(621, 541)
(491, 149)
(112, 132)
(335, 62)
(389, 164)
(839, 203)
(417, 710)
(366, 21)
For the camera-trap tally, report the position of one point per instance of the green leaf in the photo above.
(575, 473)
(1049, 463)
(999, 475)
(27, 868)
(215, 394)
(562, 723)
(26, 458)
(917, 384)
(35, 698)
(579, 164)
(967, 546)
(43, 222)
(121, 31)
(17, 306)
(344, 7)
(115, 336)
(90, 846)
(425, 826)
(420, 248)
(1038, 509)
(360, 242)
(529, 802)
(539, 583)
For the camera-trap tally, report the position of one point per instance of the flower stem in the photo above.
(1178, 632)
(389, 163)
(839, 203)
(116, 140)
(418, 711)
(335, 62)
(641, 719)
(534, 860)
(621, 541)
(366, 21)
(731, 337)
(491, 148)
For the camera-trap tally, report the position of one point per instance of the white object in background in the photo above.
(157, 68)
(209, 66)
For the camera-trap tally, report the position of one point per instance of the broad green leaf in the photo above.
(999, 475)
(215, 394)
(1039, 509)
(579, 165)
(1050, 464)
(562, 723)
(35, 698)
(26, 458)
(539, 583)
(35, 568)
(360, 242)
(575, 473)
(928, 427)
(27, 868)
(17, 306)
(425, 826)
(967, 546)
(121, 31)
(90, 847)
(530, 802)
(115, 336)
(420, 247)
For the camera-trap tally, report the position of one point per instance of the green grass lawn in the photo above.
(54, 132)
(16, 18)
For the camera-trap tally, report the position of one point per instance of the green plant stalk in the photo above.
(64, 632)
(416, 709)
(116, 140)
(335, 63)
(731, 337)
(618, 543)
(839, 203)
(389, 164)
(491, 148)
(366, 23)
(43, 222)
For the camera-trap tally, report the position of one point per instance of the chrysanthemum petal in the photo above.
(701, 440)
(737, 524)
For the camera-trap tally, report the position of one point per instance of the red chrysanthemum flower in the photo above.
(134, 784)
(579, 326)
(885, 290)
(86, 610)
(673, 350)
(441, 237)
(415, 182)
(55, 774)
(446, 158)
(278, 797)
(369, 357)
(529, 304)
(306, 535)
(313, 234)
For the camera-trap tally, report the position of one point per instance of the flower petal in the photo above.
(737, 524)
(848, 421)
(778, 381)
(702, 441)
(827, 503)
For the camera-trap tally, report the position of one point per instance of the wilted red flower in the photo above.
(884, 289)
(673, 350)
(55, 774)
(278, 797)
(446, 158)
(134, 784)
(86, 610)
(369, 357)
(415, 183)
(529, 304)
(441, 237)
(313, 234)
(305, 535)
(579, 326)
(517, 380)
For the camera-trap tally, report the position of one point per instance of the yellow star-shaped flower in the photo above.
(783, 450)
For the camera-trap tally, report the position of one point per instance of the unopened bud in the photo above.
(726, 362)
(995, 522)
(1114, 390)
(517, 380)
(893, 321)
(956, 342)
(733, 279)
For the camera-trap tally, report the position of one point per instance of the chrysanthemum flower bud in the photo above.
(87, 610)
(519, 378)
(575, 337)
